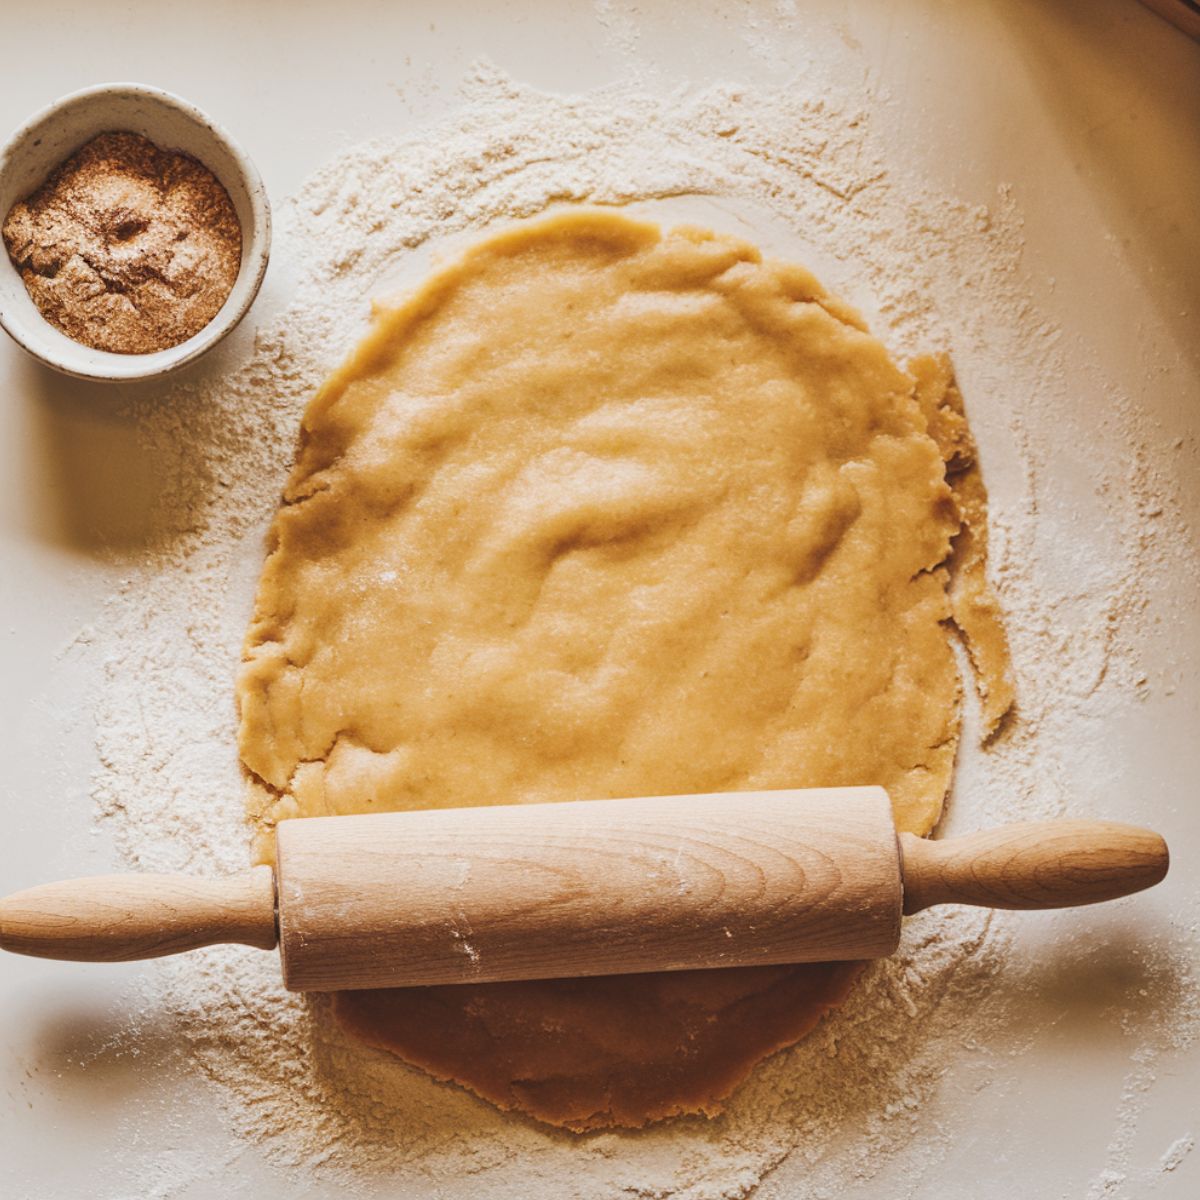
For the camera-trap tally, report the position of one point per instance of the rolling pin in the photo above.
(471, 895)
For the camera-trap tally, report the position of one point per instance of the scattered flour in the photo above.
(1176, 1152)
(803, 173)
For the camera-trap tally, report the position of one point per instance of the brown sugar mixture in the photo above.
(126, 247)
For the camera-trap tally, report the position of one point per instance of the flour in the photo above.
(1176, 1152)
(801, 172)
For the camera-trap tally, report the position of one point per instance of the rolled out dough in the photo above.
(605, 512)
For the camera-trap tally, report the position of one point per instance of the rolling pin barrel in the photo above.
(591, 888)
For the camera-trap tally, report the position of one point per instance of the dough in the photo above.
(605, 512)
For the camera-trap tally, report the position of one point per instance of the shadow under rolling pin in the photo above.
(472, 895)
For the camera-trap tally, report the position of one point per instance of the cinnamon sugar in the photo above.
(127, 247)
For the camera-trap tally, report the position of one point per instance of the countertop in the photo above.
(1088, 109)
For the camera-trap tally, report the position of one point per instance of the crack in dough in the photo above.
(603, 511)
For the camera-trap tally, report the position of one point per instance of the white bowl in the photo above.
(173, 124)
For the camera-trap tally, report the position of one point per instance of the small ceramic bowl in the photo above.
(172, 124)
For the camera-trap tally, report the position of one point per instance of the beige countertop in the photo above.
(1089, 114)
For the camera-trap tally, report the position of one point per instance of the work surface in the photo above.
(1088, 116)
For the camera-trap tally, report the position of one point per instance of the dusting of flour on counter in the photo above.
(932, 273)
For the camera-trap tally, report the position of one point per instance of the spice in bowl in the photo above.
(127, 247)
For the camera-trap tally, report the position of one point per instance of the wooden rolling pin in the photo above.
(593, 888)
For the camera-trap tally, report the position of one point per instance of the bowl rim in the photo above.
(105, 366)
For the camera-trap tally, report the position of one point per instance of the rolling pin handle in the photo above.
(1036, 864)
(119, 918)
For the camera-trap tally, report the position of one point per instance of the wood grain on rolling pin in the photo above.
(1036, 864)
(120, 918)
(532, 891)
